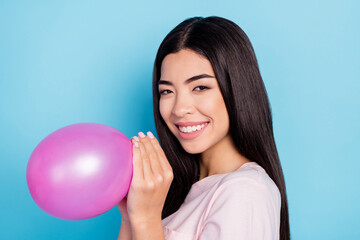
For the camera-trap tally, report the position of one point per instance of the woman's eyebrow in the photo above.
(194, 78)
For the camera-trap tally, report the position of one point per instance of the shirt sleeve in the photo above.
(242, 209)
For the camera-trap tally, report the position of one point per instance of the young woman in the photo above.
(217, 173)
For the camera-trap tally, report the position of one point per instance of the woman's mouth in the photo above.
(191, 132)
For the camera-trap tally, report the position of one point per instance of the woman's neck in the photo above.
(223, 157)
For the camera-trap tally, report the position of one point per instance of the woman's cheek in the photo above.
(162, 108)
(207, 105)
(165, 108)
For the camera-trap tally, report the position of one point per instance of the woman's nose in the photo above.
(183, 105)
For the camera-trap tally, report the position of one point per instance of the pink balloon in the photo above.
(80, 171)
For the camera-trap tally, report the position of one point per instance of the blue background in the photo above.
(65, 62)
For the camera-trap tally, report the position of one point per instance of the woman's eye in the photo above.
(201, 87)
(165, 92)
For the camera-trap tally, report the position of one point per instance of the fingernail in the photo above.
(136, 138)
(150, 134)
(141, 134)
(136, 144)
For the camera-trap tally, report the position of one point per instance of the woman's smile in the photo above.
(191, 132)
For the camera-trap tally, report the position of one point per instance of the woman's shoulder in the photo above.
(247, 196)
(250, 179)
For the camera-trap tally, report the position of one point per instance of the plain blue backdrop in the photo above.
(65, 62)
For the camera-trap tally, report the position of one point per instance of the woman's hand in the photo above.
(152, 177)
(123, 210)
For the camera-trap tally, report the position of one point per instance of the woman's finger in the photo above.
(154, 158)
(148, 176)
(138, 168)
(163, 161)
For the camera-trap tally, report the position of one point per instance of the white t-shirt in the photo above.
(244, 204)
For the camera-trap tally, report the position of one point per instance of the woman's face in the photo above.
(191, 103)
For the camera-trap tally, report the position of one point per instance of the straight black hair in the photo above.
(233, 59)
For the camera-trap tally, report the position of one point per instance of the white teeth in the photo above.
(190, 129)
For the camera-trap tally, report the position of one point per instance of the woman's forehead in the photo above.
(184, 65)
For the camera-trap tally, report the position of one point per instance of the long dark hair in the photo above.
(232, 56)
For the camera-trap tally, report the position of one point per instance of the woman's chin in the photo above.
(192, 149)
